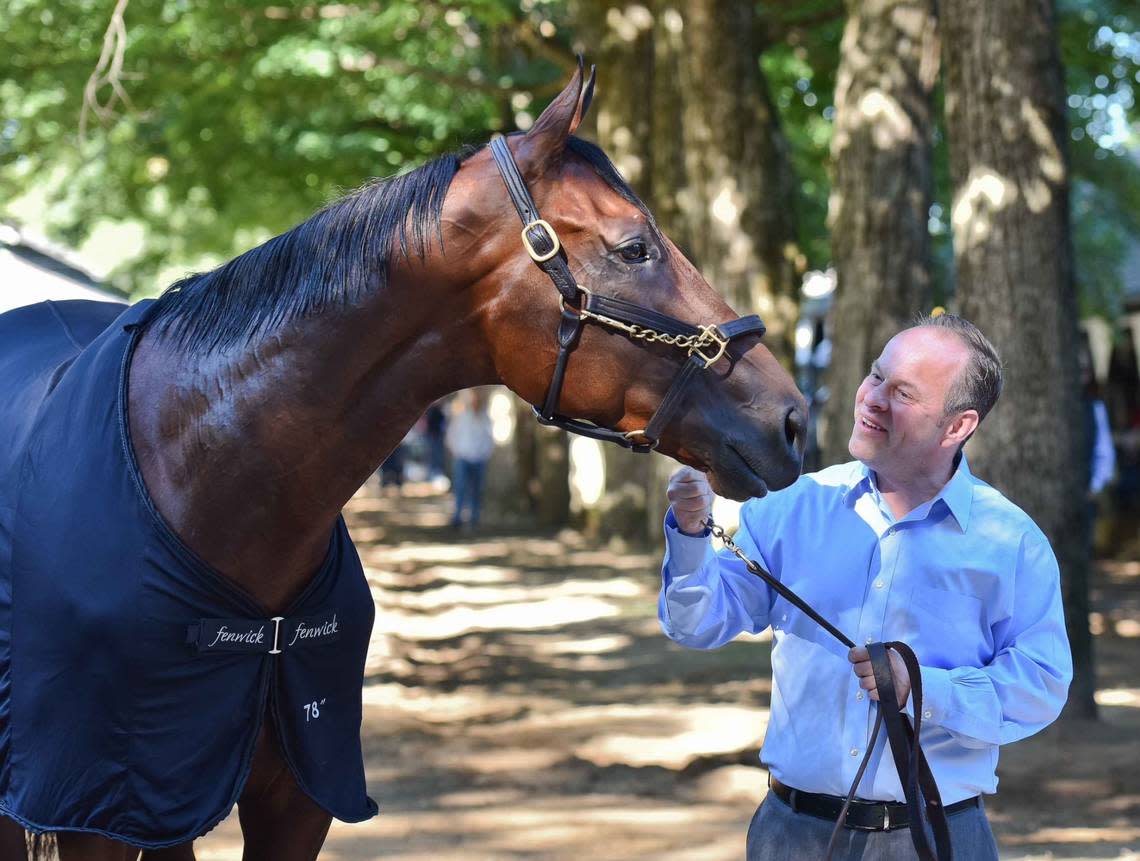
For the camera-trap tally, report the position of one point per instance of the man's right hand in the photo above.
(691, 497)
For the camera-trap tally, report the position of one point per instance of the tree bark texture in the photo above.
(881, 152)
(542, 470)
(1006, 123)
(738, 202)
(683, 109)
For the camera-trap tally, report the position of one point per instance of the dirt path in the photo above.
(521, 703)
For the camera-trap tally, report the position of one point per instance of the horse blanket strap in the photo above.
(109, 721)
(914, 772)
(580, 305)
(271, 636)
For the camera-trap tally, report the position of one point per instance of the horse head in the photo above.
(607, 347)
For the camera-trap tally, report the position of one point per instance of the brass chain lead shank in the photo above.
(722, 536)
(707, 337)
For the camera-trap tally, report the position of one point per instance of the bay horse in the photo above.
(245, 406)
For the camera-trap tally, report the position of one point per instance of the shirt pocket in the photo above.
(949, 625)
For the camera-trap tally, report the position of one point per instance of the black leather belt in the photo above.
(861, 815)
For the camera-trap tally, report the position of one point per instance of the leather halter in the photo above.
(705, 344)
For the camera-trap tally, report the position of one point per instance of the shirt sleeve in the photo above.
(708, 598)
(1024, 687)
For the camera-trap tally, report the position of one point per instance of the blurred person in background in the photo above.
(1098, 441)
(392, 470)
(435, 430)
(1102, 455)
(470, 441)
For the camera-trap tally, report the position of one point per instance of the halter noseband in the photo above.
(704, 345)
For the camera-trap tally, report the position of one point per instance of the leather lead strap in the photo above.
(910, 762)
(914, 771)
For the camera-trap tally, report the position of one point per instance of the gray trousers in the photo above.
(777, 833)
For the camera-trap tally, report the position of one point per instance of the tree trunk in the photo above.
(683, 109)
(621, 40)
(880, 202)
(542, 469)
(738, 201)
(1006, 122)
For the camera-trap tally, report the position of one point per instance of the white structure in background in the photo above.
(33, 269)
(587, 470)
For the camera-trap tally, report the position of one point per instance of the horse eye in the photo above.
(634, 252)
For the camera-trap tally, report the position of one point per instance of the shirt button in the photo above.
(869, 641)
(859, 696)
(928, 713)
(878, 584)
(854, 751)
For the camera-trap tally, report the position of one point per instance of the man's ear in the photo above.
(543, 145)
(960, 428)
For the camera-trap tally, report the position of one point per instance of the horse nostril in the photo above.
(794, 425)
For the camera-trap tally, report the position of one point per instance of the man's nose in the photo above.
(875, 398)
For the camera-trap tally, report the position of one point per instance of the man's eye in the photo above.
(634, 252)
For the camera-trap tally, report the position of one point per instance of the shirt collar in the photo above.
(957, 494)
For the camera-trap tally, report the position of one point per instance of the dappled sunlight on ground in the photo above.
(523, 615)
(671, 738)
(522, 703)
(457, 594)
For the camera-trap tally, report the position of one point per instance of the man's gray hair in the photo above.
(979, 384)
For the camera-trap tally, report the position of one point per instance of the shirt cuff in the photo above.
(935, 696)
(687, 553)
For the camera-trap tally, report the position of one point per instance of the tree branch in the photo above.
(107, 72)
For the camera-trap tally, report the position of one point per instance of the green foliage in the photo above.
(244, 117)
(1100, 45)
(1100, 48)
(800, 63)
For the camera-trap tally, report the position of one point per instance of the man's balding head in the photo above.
(978, 385)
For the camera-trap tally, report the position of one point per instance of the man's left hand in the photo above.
(861, 658)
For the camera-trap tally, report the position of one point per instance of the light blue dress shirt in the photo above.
(966, 579)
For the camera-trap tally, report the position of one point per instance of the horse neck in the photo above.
(250, 454)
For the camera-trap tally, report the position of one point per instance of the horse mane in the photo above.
(333, 259)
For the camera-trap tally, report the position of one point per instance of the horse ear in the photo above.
(547, 137)
(584, 99)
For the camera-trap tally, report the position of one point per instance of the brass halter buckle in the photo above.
(534, 255)
(709, 335)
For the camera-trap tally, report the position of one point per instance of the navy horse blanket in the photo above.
(133, 677)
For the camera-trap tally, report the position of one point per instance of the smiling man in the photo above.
(903, 543)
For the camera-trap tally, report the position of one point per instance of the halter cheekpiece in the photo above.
(704, 345)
